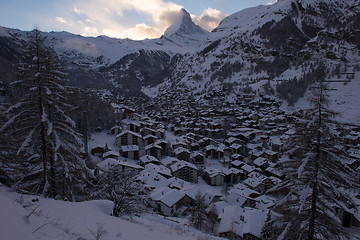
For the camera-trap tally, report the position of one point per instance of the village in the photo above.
(228, 152)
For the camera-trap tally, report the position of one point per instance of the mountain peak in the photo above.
(184, 29)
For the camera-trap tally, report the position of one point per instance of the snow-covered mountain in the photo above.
(103, 62)
(186, 33)
(284, 45)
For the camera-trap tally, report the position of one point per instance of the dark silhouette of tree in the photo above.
(121, 188)
(198, 212)
(318, 180)
(44, 144)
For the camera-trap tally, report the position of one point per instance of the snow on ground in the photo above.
(25, 217)
(343, 99)
(101, 139)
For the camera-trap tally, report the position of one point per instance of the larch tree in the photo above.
(45, 148)
(198, 212)
(318, 182)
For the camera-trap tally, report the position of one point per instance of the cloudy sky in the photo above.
(135, 19)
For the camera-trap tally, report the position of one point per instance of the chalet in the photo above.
(126, 111)
(160, 133)
(214, 152)
(148, 131)
(134, 169)
(204, 142)
(258, 182)
(111, 154)
(232, 175)
(115, 130)
(264, 202)
(197, 157)
(211, 198)
(134, 117)
(147, 159)
(236, 148)
(179, 144)
(231, 140)
(254, 154)
(214, 176)
(149, 139)
(194, 146)
(237, 164)
(167, 201)
(163, 144)
(261, 163)
(130, 151)
(247, 169)
(276, 145)
(182, 153)
(97, 151)
(129, 138)
(185, 171)
(160, 169)
(271, 155)
(241, 223)
(191, 194)
(153, 150)
(271, 171)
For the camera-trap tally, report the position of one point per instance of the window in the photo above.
(134, 140)
(124, 140)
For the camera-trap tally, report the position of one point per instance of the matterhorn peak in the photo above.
(184, 31)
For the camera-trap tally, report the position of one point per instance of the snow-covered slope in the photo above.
(289, 41)
(25, 217)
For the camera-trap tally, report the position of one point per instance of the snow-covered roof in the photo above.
(148, 158)
(254, 180)
(153, 145)
(181, 164)
(130, 132)
(107, 164)
(260, 161)
(248, 168)
(242, 221)
(181, 150)
(167, 196)
(130, 165)
(235, 146)
(111, 153)
(153, 179)
(158, 168)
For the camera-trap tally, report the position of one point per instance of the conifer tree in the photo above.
(43, 142)
(318, 181)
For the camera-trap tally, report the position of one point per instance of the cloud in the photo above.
(62, 20)
(117, 18)
(135, 19)
(210, 18)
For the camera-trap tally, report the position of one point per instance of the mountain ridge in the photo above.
(283, 41)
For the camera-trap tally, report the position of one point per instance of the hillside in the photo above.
(32, 217)
(280, 42)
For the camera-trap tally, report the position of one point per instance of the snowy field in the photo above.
(31, 217)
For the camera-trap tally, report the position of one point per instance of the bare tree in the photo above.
(121, 188)
(198, 212)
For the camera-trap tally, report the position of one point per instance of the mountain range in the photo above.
(285, 45)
